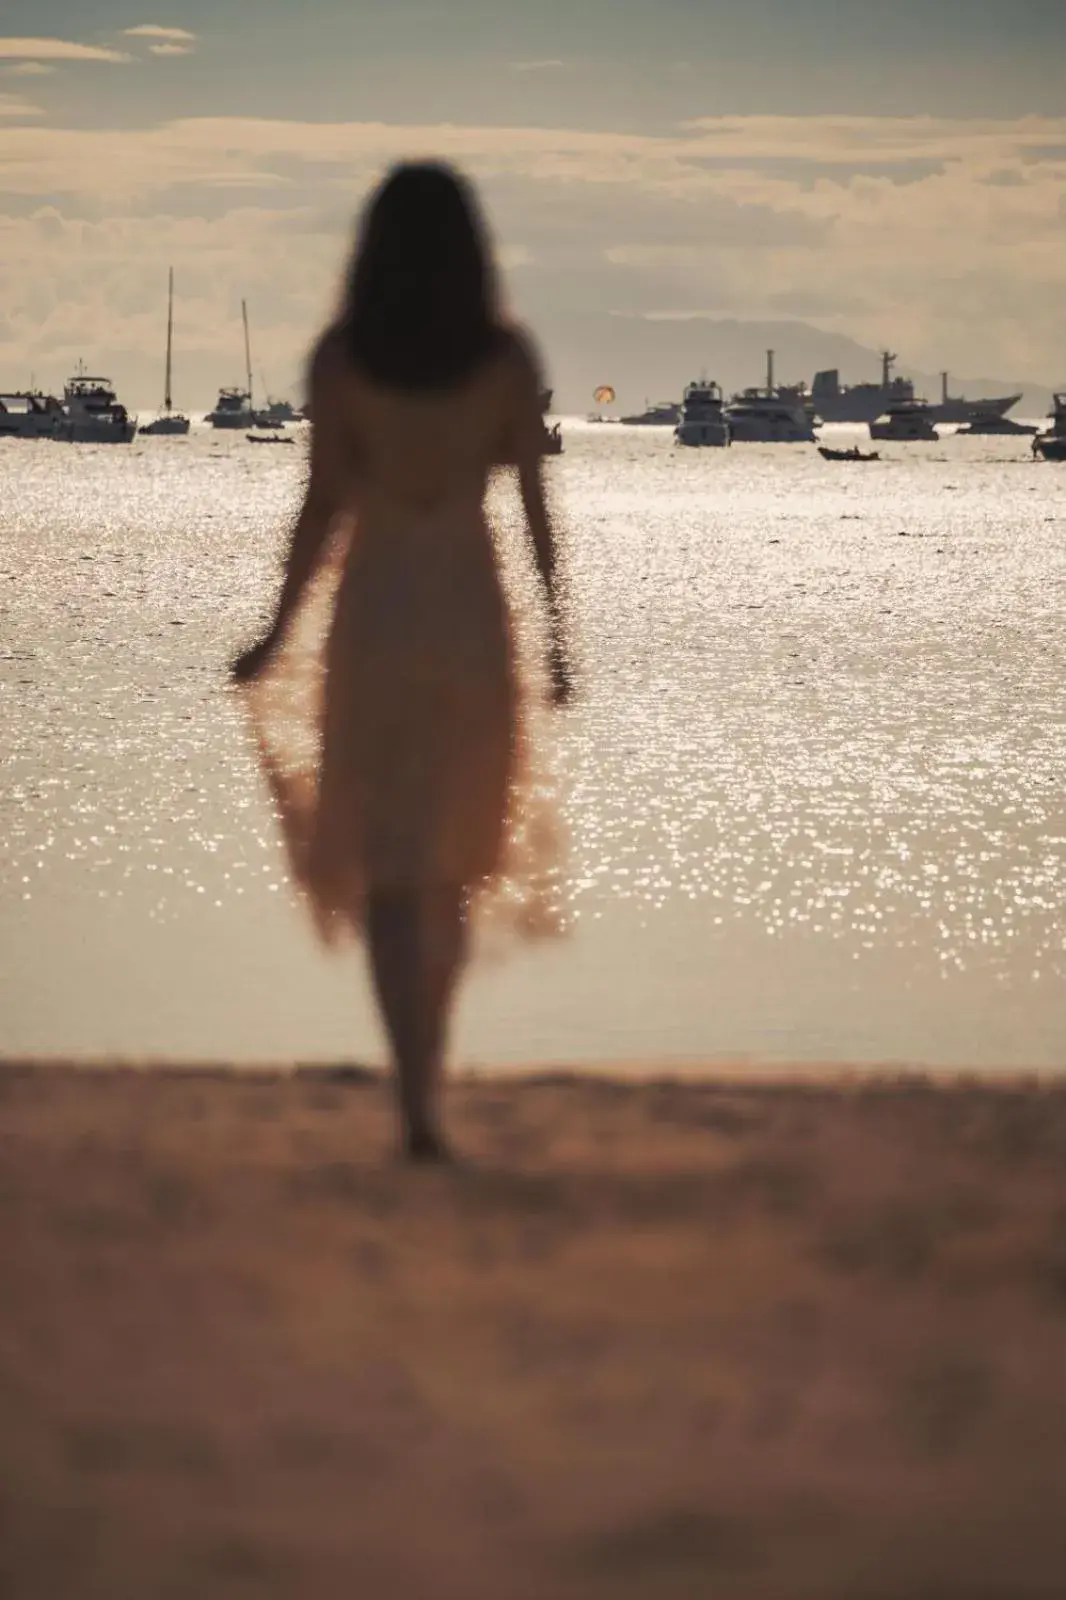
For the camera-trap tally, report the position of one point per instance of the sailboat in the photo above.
(233, 408)
(168, 420)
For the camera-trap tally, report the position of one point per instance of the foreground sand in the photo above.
(794, 1342)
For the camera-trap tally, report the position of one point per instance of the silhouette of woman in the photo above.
(413, 791)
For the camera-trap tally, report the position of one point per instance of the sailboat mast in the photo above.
(247, 351)
(170, 339)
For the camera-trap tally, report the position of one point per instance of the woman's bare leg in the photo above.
(417, 944)
(444, 956)
(393, 928)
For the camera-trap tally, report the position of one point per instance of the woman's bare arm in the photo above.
(538, 520)
(323, 498)
(529, 458)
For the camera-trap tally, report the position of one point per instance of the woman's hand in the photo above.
(250, 663)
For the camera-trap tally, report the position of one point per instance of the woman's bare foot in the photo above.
(424, 1147)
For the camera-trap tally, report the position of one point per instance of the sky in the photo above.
(889, 173)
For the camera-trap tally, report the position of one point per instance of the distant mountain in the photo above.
(582, 345)
(645, 358)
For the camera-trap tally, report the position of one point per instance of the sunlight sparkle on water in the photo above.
(815, 703)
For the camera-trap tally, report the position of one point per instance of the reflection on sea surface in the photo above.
(814, 778)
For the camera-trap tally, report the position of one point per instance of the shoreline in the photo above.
(655, 1339)
(737, 1073)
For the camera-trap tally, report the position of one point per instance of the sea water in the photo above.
(814, 777)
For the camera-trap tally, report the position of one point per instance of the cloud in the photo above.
(897, 228)
(57, 50)
(13, 105)
(757, 160)
(152, 30)
(164, 41)
(1005, 178)
(549, 64)
(30, 69)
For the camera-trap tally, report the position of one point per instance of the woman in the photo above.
(417, 391)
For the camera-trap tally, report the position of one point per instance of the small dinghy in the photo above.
(269, 438)
(854, 454)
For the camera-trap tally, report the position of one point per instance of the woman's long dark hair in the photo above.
(420, 310)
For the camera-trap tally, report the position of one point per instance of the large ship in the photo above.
(865, 402)
(956, 407)
(859, 402)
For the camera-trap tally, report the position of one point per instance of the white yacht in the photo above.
(756, 417)
(168, 420)
(28, 414)
(234, 407)
(982, 427)
(702, 416)
(661, 414)
(907, 420)
(276, 413)
(773, 415)
(92, 413)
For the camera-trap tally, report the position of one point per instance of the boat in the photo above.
(907, 420)
(662, 414)
(757, 418)
(854, 454)
(168, 420)
(28, 414)
(982, 426)
(771, 415)
(865, 402)
(798, 397)
(270, 438)
(1051, 444)
(234, 408)
(92, 413)
(552, 444)
(956, 408)
(551, 438)
(276, 413)
(859, 402)
(702, 420)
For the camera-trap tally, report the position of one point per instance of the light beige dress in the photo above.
(392, 726)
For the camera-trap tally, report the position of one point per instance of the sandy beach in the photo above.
(772, 1341)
